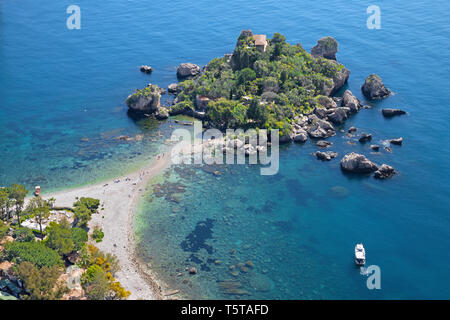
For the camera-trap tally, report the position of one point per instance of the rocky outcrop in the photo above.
(326, 47)
(173, 88)
(162, 114)
(146, 100)
(373, 88)
(365, 137)
(397, 141)
(340, 78)
(187, 70)
(300, 135)
(325, 156)
(352, 130)
(324, 144)
(338, 116)
(375, 147)
(321, 129)
(384, 172)
(146, 69)
(357, 163)
(201, 102)
(351, 102)
(392, 112)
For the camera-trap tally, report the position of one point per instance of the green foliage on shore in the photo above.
(41, 283)
(64, 239)
(36, 253)
(255, 89)
(98, 280)
(4, 229)
(83, 210)
(97, 234)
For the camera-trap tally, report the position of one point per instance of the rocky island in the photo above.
(269, 84)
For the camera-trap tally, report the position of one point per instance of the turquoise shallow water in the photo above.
(299, 227)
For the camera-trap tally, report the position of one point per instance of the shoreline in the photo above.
(120, 198)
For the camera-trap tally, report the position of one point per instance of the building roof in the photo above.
(260, 39)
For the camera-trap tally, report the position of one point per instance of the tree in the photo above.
(95, 281)
(41, 283)
(4, 198)
(64, 239)
(18, 192)
(51, 202)
(278, 40)
(40, 209)
(23, 235)
(257, 112)
(90, 203)
(59, 238)
(82, 216)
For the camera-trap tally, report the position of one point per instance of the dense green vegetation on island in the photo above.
(254, 88)
(39, 257)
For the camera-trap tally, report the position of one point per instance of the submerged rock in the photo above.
(187, 70)
(397, 141)
(324, 144)
(392, 112)
(352, 129)
(146, 69)
(375, 147)
(325, 47)
(325, 156)
(373, 87)
(384, 172)
(365, 137)
(357, 163)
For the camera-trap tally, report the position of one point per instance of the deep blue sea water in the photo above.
(299, 228)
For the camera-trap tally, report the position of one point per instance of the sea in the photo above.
(64, 123)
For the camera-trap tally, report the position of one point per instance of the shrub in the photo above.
(23, 234)
(97, 235)
(36, 253)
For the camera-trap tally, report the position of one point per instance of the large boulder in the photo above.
(321, 129)
(337, 81)
(300, 135)
(338, 116)
(162, 114)
(357, 163)
(187, 70)
(392, 112)
(326, 102)
(146, 100)
(173, 88)
(325, 156)
(146, 69)
(326, 47)
(373, 88)
(384, 172)
(351, 102)
(340, 78)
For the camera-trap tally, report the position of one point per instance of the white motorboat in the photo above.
(360, 255)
